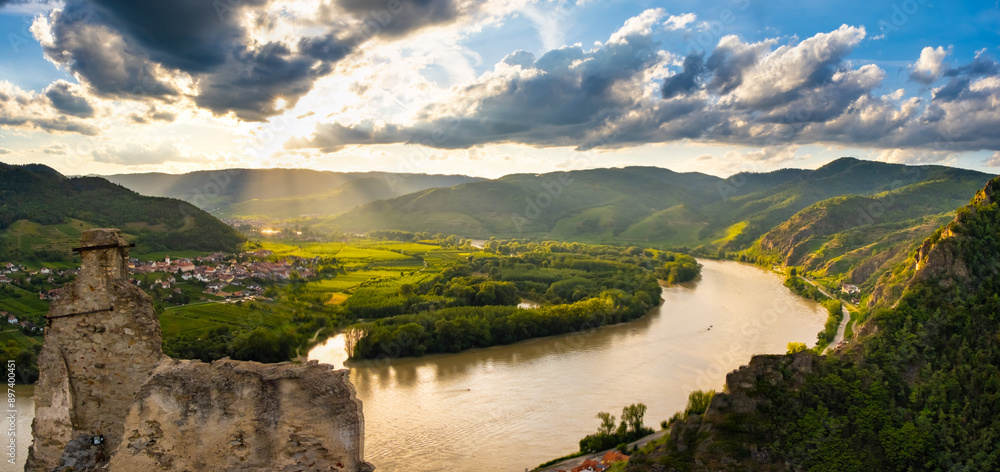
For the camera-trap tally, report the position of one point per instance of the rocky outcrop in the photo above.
(243, 416)
(102, 341)
(741, 383)
(938, 259)
(108, 399)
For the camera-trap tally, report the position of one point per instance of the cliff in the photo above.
(917, 390)
(108, 399)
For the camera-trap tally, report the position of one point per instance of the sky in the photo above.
(489, 88)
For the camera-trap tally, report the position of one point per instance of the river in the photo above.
(508, 408)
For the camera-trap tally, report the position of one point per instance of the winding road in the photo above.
(843, 319)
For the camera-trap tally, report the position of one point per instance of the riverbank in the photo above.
(534, 397)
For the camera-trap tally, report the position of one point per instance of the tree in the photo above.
(794, 347)
(607, 423)
(698, 401)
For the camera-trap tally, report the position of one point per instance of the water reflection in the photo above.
(512, 407)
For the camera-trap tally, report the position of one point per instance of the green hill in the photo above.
(282, 193)
(42, 214)
(850, 219)
(916, 390)
(651, 204)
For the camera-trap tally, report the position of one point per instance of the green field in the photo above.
(199, 318)
(8, 334)
(23, 302)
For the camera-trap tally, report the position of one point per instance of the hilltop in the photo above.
(43, 212)
(848, 218)
(282, 193)
(917, 390)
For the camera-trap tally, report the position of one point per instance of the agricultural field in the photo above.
(199, 318)
(22, 302)
(22, 341)
(369, 261)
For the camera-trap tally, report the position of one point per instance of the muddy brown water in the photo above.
(508, 408)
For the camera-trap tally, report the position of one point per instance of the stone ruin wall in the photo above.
(103, 375)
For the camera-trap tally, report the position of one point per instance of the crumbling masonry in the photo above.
(108, 399)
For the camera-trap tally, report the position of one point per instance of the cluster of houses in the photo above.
(853, 290)
(219, 271)
(27, 325)
(595, 465)
(9, 270)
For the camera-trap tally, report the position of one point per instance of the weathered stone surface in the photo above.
(103, 375)
(102, 342)
(243, 416)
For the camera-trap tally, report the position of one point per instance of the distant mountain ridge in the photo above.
(42, 214)
(801, 217)
(282, 193)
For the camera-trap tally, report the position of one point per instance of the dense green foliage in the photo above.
(42, 214)
(24, 352)
(835, 312)
(608, 436)
(803, 288)
(920, 392)
(471, 304)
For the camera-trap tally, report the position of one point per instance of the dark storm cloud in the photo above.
(686, 80)
(101, 56)
(394, 18)
(132, 49)
(251, 84)
(190, 35)
(64, 99)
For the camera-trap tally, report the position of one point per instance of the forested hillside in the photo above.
(917, 390)
(850, 219)
(42, 214)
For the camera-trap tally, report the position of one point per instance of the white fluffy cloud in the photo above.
(929, 67)
(746, 93)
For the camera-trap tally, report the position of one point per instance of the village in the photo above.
(218, 276)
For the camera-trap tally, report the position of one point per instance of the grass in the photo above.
(306, 250)
(200, 318)
(336, 298)
(732, 231)
(24, 303)
(9, 333)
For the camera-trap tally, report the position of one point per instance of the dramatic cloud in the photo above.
(400, 17)
(246, 57)
(26, 110)
(759, 94)
(686, 80)
(66, 98)
(963, 77)
(558, 98)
